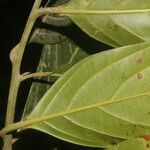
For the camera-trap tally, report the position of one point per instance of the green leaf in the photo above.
(63, 45)
(56, 2)
(59, 53)
(55, 19)
(100, 100)
(113, 29)
(134, 144)
(58, 56)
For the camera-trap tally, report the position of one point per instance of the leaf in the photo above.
(100, 100)
(59, 53)
(56, 54)
(61, 50)
(113, 29)
(138, 144)
(56, 2)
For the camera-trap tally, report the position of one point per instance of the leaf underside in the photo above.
(114, 29)
(104, 99)
(59, 53)
(57, 57)
(118, 77)
(138, 144)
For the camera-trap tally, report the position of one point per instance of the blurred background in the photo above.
(13, 15)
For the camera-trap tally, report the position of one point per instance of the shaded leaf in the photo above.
(100, 100)
(53, 19)
(56, 2)
(63, 45)
(115, 29)
(54, 55)
(59, 53)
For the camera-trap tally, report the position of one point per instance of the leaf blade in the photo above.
(138, 144)
(115, 29)
(109, 65)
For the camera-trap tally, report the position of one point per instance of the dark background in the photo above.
(13, 16)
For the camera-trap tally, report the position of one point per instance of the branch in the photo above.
(26, 123)
(28, 75)
(61, 10)
(16, 57)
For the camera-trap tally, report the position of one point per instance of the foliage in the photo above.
(101, 100)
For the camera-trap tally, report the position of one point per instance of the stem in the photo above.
(14, 86)
(16, 57)
(30, 122)
(61, 10)
(38, 74)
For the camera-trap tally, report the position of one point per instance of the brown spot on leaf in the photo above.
(140, 75)
(146, 137)
(138, 60)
